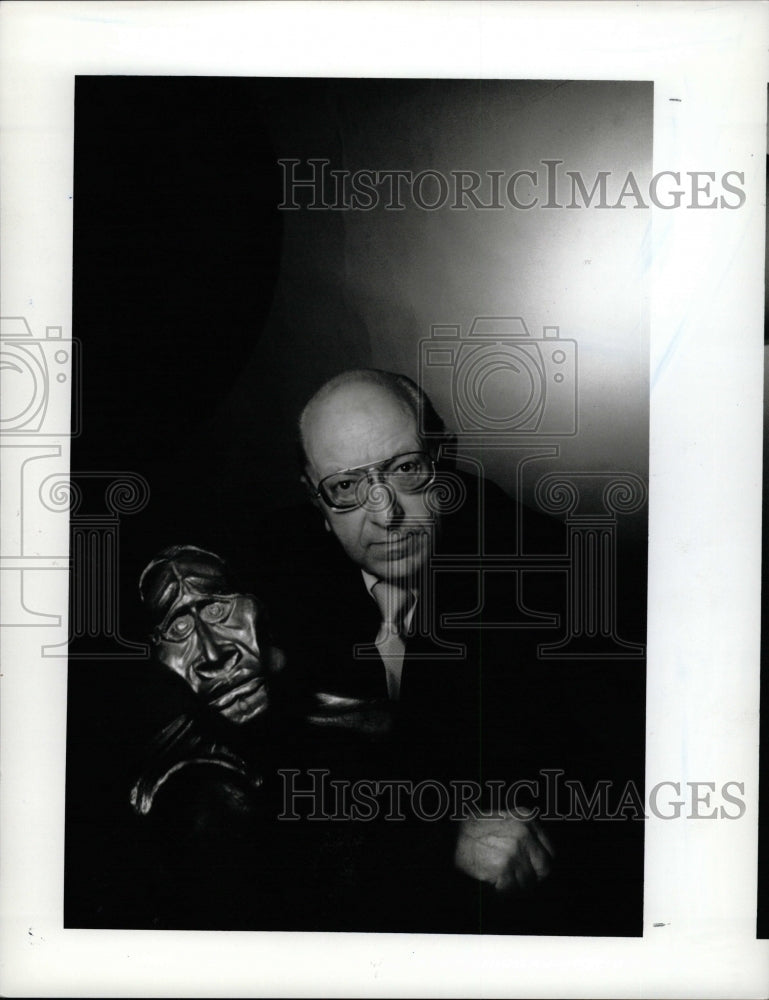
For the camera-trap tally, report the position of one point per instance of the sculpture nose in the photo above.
(212, 656)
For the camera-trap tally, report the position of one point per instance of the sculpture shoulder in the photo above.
(181, 749)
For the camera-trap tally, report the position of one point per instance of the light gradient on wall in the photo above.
(365, 288)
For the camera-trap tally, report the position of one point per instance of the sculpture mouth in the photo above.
(246, 689)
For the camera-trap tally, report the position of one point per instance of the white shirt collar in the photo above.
(371, 581)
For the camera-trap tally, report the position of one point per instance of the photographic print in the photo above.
(380, 441)
(414, 259)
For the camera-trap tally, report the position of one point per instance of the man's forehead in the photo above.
(357, 425)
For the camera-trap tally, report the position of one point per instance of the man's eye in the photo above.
(343, 487)
(215, 612)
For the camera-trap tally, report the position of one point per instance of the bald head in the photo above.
(356, 424)
(357, 392)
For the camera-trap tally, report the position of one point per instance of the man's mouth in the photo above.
(397, 545)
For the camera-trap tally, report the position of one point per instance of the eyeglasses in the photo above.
(363, 486)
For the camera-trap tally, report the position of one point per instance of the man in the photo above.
(369, 471)
(363, 616)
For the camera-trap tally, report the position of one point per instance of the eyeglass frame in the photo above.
(317, 493)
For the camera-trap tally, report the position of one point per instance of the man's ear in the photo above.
(305, 481)
(314, 500)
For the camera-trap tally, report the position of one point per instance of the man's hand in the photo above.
(367, 717)
(511, 854)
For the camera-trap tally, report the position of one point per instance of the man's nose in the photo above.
(383, 502)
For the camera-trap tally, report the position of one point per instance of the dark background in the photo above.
(207, 317)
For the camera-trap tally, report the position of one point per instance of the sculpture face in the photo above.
(208, 636)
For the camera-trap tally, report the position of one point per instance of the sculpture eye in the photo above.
(180, 628)
(216, 611)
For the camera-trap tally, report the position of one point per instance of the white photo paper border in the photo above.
(708, 64)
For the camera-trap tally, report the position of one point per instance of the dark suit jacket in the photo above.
(472, 705)
(494, 711)
(467, 670)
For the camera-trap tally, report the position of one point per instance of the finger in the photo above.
(544, 839)
(341, 701)
(540, 860)
(525, 874)
(518, 873)
(525, 880)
